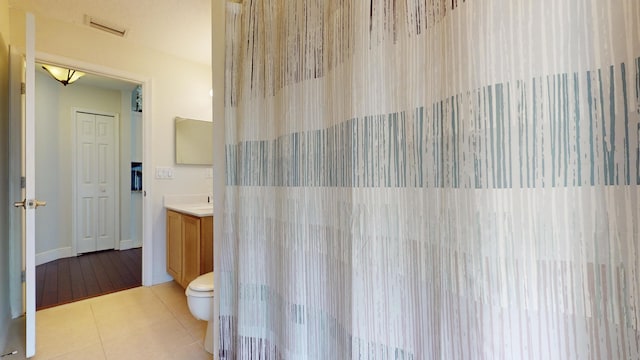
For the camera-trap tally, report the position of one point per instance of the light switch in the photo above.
(164, 172)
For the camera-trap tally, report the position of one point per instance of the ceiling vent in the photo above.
(101, 25)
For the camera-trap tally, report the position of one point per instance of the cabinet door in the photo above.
(206, 245)
(174, 245)
(190, 249)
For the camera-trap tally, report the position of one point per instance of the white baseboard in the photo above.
(55, 254)
(126, 244)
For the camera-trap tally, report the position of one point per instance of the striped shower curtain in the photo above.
(431, 179)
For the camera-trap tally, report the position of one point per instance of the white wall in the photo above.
(179, 87)
(4, 169)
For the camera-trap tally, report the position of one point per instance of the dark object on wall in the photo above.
(136, 176)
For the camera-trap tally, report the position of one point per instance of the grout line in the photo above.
(174, 313)
(95, 323)
(196, 341)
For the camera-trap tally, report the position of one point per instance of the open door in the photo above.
(29, 202)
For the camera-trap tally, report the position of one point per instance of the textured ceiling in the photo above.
(178, 27)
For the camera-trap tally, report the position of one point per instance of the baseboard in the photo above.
(55, 254)
(126, 244)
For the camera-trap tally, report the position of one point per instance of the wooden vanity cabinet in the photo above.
(189, 246)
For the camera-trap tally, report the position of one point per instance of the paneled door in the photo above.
(95, 181)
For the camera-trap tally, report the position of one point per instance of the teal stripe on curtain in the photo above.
(461, 150)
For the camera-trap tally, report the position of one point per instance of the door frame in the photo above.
(147, 140)
(74, 176)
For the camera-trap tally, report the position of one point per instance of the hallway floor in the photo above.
(139, 323)
(81, 277)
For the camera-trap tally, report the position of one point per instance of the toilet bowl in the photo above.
(200, 301)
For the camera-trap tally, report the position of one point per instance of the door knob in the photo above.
(19, 203)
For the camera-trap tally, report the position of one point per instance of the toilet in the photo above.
(200, 300)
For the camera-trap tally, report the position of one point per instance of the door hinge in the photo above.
(23, 88)
(23, 182)
(23, 276)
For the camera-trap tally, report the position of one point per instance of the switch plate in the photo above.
(164, 172)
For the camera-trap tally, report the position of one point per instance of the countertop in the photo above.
(197, 209)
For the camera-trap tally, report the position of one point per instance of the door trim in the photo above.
(74, 173)
(147, 140)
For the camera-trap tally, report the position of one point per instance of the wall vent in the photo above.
(103, 26)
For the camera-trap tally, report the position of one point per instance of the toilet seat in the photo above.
(202, 286)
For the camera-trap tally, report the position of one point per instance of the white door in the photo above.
(29, 202)
(96, 181)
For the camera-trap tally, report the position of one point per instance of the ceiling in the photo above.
(178, 27)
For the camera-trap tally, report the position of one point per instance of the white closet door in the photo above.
(95, 171)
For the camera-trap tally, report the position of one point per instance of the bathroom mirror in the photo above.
(194, 142)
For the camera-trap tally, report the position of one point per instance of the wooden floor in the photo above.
(93, 274)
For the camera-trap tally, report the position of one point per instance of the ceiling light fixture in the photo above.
(65, 76)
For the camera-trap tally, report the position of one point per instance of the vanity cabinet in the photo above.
(189, 246)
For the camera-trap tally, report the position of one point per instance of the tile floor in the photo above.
(140, 323)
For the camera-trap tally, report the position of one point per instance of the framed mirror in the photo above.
(194, 141)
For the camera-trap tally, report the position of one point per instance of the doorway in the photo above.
(60, 111)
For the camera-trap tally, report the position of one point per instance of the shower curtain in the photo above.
(430, 179)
